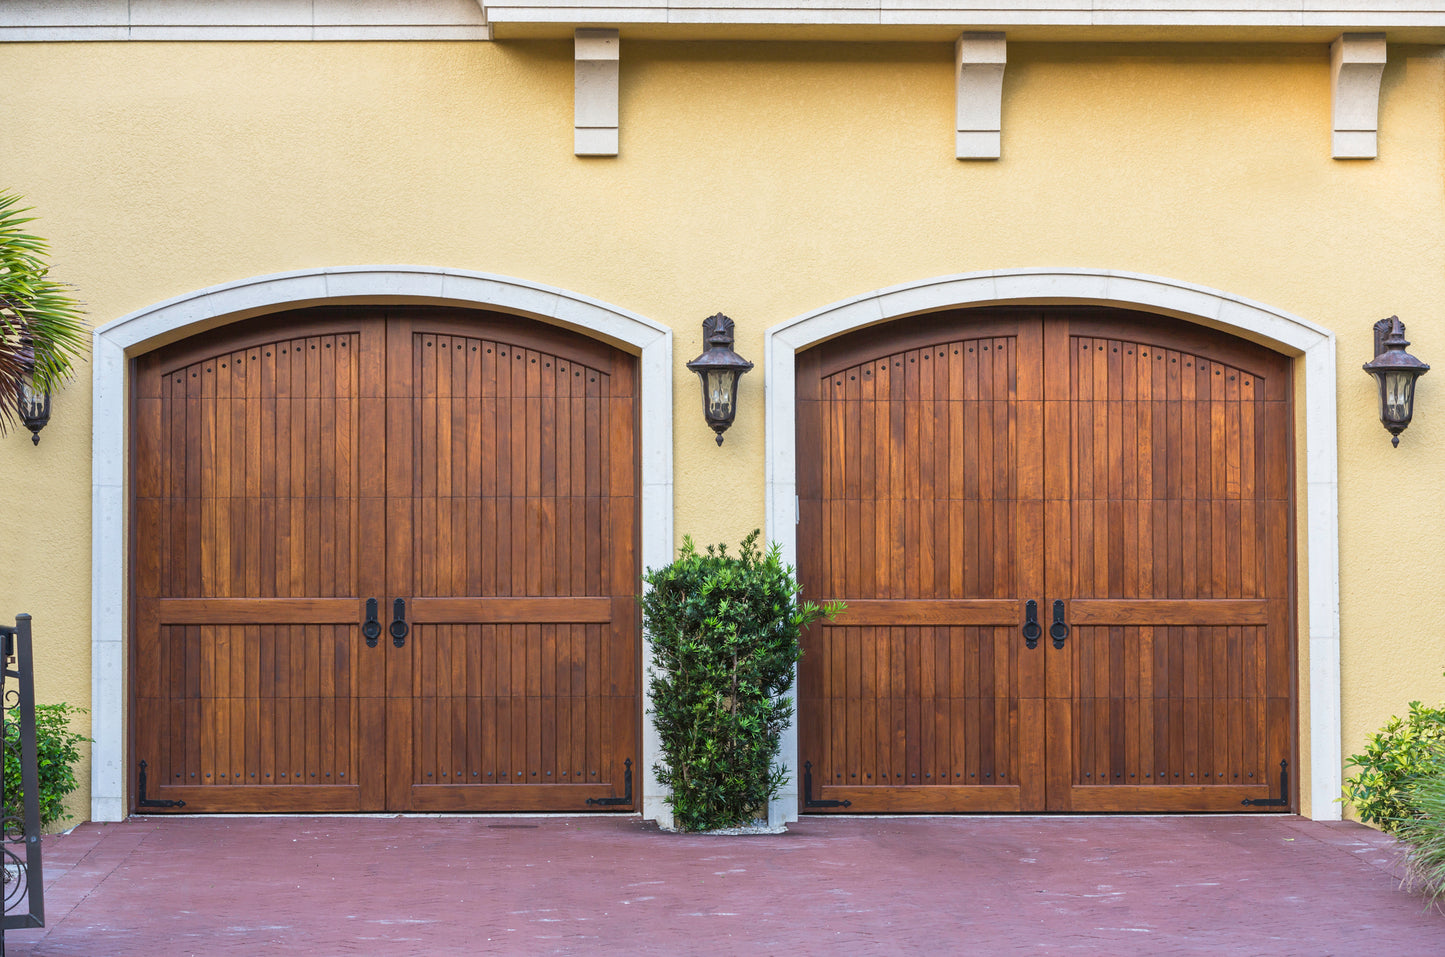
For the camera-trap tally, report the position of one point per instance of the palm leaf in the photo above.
(33, 308)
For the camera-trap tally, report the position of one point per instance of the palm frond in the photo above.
(34, 308)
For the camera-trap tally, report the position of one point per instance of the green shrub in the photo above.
(57, 749)
(1424, 833)
(1395, 757)
(724, 633)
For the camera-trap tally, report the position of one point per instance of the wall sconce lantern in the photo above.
(1395, 370)
(33, 401)
(719, 368)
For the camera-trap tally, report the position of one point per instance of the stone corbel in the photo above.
(594, 104)
(1357, 60)
(979, 60)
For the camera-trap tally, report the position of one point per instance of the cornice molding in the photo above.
(103, 20)
(1273, 20)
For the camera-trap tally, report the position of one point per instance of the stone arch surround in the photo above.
(115, 342)
(1312, 346)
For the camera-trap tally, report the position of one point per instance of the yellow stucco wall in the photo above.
(763, 180)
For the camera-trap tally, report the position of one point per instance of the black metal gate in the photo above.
(24, 886)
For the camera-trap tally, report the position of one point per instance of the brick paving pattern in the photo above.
(844, 886)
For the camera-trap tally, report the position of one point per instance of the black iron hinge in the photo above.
(808, 790)
(626, 795)
(143, 801)
(1282, 800)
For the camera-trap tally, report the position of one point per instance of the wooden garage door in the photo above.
(480, 470)
(1127, 474)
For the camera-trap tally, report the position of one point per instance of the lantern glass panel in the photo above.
(33, 401)
(1397, 393)
(720, 385)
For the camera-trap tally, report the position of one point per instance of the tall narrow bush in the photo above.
(724, 632)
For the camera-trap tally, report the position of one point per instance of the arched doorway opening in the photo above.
(646, 345)
(1164, 300)
(1063, 538)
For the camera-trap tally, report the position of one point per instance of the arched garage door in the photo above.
(475, 476)
(1127, 474)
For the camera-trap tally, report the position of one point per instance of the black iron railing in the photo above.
(24, 884)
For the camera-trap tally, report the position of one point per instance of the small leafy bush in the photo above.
(1423, 833)
(57, 750)
(1395, 758)
(724, 634)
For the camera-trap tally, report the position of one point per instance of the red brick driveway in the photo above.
(844, 886)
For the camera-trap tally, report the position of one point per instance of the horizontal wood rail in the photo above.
(983, 611)
(502, 611)
(253, 611)
(1191, 611)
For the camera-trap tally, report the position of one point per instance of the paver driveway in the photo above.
(846, 886)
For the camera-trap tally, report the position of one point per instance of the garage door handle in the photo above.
(1058, 630)
(372, 629)
(1031, 629)
(398, 623)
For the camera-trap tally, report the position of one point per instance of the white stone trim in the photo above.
(594, 103)
(978, 64)
(175, 318)
(91, 20)
(1314, 345)
(1357, 61)
(999, 14)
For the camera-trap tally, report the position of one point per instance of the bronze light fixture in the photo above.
(719, 368)
(1395, 370)
(33, 401)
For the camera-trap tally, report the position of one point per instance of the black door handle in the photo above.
(1058, 630)
(372, 629)
(1031, 628)
(398, 623)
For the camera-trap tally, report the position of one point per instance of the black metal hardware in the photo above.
(143, 801)
(371, 631)
(23, 880)
(626, 798)
(1282, 800)
(1031, 629)
(808, 790)
(1058, 630)
(398, 628)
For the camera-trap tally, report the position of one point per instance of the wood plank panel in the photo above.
(289, 469)
(955, 466)
(1163, 596)
(908, 499)
(530, 626)
(246, 611)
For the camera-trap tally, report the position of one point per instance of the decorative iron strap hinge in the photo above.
(808, 790)
(143, 801)
(1282, 800)
(626, 798)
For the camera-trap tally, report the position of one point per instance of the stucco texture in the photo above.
(763, 180)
